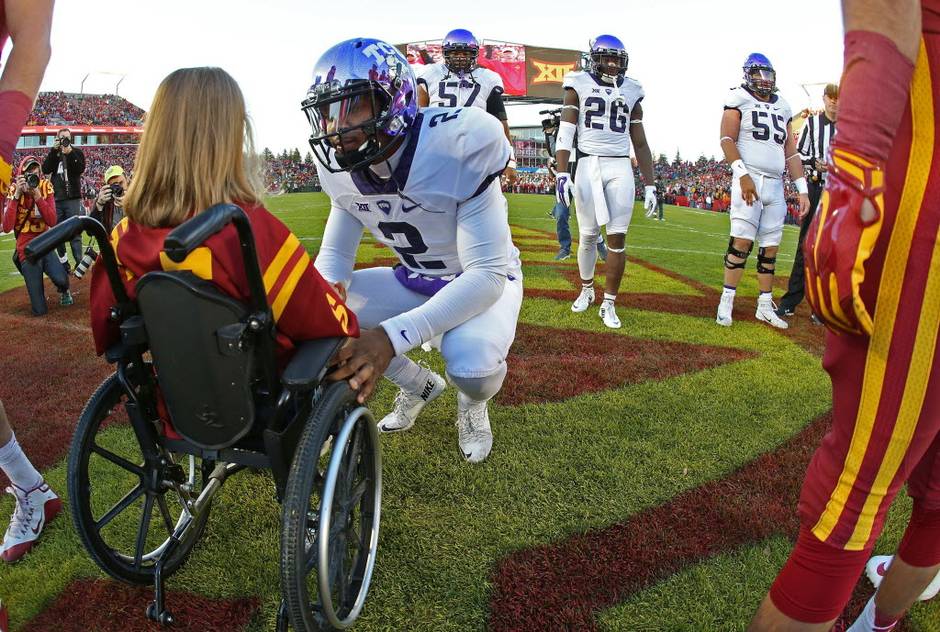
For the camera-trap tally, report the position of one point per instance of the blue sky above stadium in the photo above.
(686, 53)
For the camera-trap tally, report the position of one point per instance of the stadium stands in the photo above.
(60, 108)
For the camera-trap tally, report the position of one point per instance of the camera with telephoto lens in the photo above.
(32, 180)
(90, 255)
(116, 190)
(64, 141)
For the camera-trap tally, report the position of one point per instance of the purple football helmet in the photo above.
(350, 77)
(759, 75)
(608, 58)
(460, 49)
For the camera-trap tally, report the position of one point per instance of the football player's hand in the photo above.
(510, 174)
(748, 190)
(363, 361)
(804, 205)
(563, 189)
(650, 202)
(840, 240)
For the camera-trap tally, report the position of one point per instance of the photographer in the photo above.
(813, 147)
(65, 164)
(109, 203)
(30, 211)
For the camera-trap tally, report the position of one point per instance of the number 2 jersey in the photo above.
(481, 88)
(763, 130)
(604, 113)
(440, 210)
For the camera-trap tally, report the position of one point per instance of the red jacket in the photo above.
(305, 306)
(27, 216)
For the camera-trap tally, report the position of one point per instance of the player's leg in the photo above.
(375, 295)
(475, 354)
(619, 195)
(743, 232)
(588, 234)
(36, 504)
(769, 235)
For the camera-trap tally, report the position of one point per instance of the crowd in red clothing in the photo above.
(287, 172)
(60, 108)
(531, 183)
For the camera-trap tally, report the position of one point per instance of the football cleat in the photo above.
(409, 405)
(877, 567)
(562, 254)
(767, 312)
(608, 313)
(474, 434)
(725, 307)
(585, 299)
(34, 509)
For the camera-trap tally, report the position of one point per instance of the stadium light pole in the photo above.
(81, 88)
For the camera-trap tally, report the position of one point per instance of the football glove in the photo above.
(563, 189)
(839, 242)
(650, 202)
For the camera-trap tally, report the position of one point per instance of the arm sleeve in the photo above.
(341, 239)
(482, 245)
(494, 103)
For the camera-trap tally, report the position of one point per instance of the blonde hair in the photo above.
(196, 150)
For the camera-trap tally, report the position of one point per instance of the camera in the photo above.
(116, 190)
(32, 180)
(89, 258)
(64, 141)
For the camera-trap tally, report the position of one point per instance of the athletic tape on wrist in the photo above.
(565, 140)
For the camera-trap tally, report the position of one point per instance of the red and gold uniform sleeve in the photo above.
(14, 109)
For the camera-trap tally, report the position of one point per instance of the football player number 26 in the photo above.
(762, 129)
(409, 243)
(596, 108)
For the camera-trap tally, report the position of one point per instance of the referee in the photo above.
(813, 148)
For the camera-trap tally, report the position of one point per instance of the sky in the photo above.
(685, 53)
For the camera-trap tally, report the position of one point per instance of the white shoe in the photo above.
(608, 313)
(585, 299)
(767, 312)
(878, 566)
(34, 508)
(473, 429)
(725, 307)
(409, 405)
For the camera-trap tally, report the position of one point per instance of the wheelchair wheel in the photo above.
(125, 526)
(331, 513)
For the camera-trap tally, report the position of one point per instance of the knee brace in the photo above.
(921, 543)
(617, 250)
(763, 261)
(740, 254)
(480, 389)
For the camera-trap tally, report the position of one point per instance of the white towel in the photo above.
(590, 166)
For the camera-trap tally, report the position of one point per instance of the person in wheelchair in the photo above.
(191, 156)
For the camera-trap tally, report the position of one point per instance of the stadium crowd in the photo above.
(60, 108)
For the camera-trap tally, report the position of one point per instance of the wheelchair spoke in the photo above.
(119, 506)
(165, 512)
(142, 532)
(119, 461)
(356, 495)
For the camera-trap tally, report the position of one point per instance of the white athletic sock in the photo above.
(867, 621)
(407, 374)
(17, 467)
(609, 298)
(729, 291)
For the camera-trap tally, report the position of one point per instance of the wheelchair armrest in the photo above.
(310, 363)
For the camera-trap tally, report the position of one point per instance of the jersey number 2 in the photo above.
(597, 107)
(414, 244)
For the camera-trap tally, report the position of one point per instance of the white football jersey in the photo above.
(449, 157)
(447, 90)
(763, 130)
(604, 113)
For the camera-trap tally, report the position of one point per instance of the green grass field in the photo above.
(557, 468)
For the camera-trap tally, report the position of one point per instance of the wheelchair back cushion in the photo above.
(204, 365)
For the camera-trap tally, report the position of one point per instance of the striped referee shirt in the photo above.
(814, 141)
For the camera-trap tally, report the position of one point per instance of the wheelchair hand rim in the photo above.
(326, 506)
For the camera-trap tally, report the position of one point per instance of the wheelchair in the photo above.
(196, 381)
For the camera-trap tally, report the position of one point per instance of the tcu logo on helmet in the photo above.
(381, 52)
